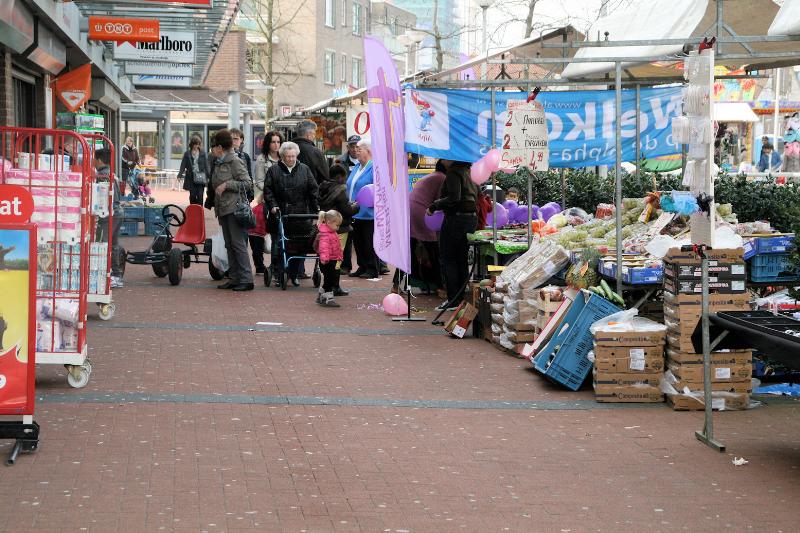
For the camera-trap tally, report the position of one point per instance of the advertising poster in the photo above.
(17, 308)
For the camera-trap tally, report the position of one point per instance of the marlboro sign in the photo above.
(123, 29)
(75, 87)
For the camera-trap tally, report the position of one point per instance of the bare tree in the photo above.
(275, 65)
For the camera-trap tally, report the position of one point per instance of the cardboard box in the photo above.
(733, 402)
(619, 365)
(724, 255)
(460, 320)
(697, 386)
(619, 352)
(716, 270)
(716, 302)
(624, 379)
(630, 338)
(738, 357)
(723, 373)
(686, 286)
(628, 394)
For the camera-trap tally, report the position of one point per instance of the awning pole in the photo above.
(618, 170)
(494, 184)
(776, 110)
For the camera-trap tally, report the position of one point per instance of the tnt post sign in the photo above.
(525, 136)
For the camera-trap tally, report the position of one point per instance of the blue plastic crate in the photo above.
(153, 214)
(634, 275)
(130, 227)
(153, 227)
(778, 244)
(563, 359)
(769, 267)
(135, 212)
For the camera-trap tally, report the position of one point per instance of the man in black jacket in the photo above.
(310, 155)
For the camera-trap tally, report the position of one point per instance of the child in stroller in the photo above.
(140, 186)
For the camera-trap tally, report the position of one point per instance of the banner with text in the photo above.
(456, 124)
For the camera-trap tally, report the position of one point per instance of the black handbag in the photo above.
(243, 213)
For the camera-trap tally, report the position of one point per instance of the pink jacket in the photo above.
(330, 248)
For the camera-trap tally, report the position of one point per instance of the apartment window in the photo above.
(344, 13)
(357, 72)
(343, 78)
(393, 26)
(356, 19)
(330, 13)
(330, 67)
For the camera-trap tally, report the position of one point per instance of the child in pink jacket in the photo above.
(330, 253)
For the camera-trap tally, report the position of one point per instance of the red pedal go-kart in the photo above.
(167, 260)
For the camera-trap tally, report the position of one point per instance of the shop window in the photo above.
(178, 142)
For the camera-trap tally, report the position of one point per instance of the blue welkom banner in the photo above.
(456, 124)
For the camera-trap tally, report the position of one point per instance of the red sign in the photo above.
(16, 204)
(185, 3)
(123, 29)
(75, 87)
(17, 319)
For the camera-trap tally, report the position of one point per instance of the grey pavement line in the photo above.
(135, 397)
(269, 329)
(259, 286)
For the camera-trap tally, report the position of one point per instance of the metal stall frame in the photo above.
(70, 157)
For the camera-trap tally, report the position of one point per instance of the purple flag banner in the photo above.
(392, 240)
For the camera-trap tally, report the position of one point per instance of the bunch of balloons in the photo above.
(483, 167)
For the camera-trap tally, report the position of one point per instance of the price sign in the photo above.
(525, 136)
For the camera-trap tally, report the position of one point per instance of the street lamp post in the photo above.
(484, 5)
(405, 40)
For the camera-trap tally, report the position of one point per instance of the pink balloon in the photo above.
(394, 305)
(366, 196)
(509, 170)
(434, 222)
(492, 159)
(479, 172)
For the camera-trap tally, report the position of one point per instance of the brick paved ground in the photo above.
(198, 419)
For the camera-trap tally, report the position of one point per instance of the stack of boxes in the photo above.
(629, 365)
(730, 371)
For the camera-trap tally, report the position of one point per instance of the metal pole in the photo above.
(719, 23)
(493, 131)
(638, 147)
(707, 435)
(618, 170)
(563, 175)
(530, 208)
(776, 109)
(166, 145)
(485, 44)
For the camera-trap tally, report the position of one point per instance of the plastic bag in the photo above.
(660, 245)
(219, 255)
(626, 321)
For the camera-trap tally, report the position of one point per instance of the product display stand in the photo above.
(100, 253)
(55, 166)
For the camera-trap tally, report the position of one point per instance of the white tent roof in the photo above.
(787, 21)
(656, 19)
(733, 112)
(690, 20)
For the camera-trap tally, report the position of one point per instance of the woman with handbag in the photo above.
(195, 170)
(227, 193)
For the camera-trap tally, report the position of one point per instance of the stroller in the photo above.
(139, 185)
(294, 241)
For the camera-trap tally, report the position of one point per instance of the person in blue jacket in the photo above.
(363, 221)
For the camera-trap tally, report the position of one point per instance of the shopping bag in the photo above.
(219, 255)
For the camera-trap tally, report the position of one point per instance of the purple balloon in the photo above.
(509, 205)
(434, 222)
(502, 216)
(548, 211)
(555, 206)
(366, 196)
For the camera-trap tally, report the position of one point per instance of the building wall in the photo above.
(388, 22)
(449, 22)
(6, 89)
(229, 70)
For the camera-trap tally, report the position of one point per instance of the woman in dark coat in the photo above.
(195, 171)
(290, 187)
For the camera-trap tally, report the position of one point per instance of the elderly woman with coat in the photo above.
(290, 187)
(230, 183)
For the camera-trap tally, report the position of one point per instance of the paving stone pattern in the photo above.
(198, 419)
